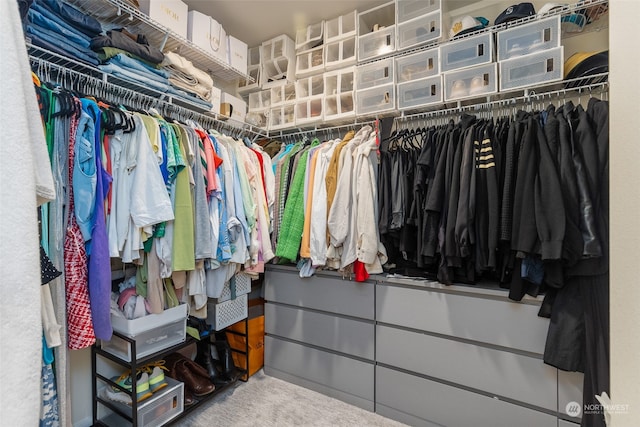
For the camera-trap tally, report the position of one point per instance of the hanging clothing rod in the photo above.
(599, 83)
(119, 94)
(321, 130)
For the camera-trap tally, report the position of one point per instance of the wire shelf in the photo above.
(75, 76)
(119, 13)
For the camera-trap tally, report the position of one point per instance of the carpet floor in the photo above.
(269, 402)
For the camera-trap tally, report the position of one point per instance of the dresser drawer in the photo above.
(502, 373)
(340, 334)
(478, 318)
(321, 292)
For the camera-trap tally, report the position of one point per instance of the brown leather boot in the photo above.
(194, 377)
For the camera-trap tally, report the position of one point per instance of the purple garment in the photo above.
(99, 260)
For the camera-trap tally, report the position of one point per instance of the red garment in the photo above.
(360, 271)
(76, 269)
(261, 161)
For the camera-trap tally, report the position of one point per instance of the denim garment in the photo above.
(140, 79)
(84, 175)
(127, 62)
(186, 96)
(135, 73)
(50, 23)
(87, 24)
(62, 47)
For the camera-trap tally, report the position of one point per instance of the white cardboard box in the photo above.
(237, 54)
(170, 13)
(206, 33)
(239, 106)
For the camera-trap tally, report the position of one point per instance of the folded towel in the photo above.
(186, 76)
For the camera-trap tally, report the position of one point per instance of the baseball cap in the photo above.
(459, 89)
(467, 24)
(584, 64)
(517, 11)
(548, 7)
(573, 23)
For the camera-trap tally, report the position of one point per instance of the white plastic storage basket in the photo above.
(242, 285)
(224, 314)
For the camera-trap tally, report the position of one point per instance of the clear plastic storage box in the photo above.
(156, 411)
(310, 62)
(340, 53)
(471, 82)
(341, 27)
(376, 31)
(376, 100)
(419, 31)
(309, 87)
(529, 38)
(410, 9)
(259, 100)
(420, 93)
(245, 86)
(417, 66)
(282, 116)
(310, 36)
(531, 70)
(309, 110)
(375, 74)
(282, 92)
(467, 52)
(152, 333)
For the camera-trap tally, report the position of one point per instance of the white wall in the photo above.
(625, 209)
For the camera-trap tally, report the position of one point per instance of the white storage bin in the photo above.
(376, 100)
(277, 47)
(420, 30)
(259, 100)
(417, 66)
(375, 74)
(237, 54)
(258, 118)
(282, 92)
(339, 81)
(340, 53)
(471, 82)
(224, 314)
(341, 27)
(278, 59)
(310, 36)
(533, 69)
(529, 38)
(242, 287)
(377, 43)
(155, 411)
(206, 33)
(407, 10)
(339, 106)
(253, 55)
(152, 333)
(309, 111)
(310, 61)
(309, 87)
(172, 14)
(239, 111)
(244, 86)
(282, 116)
(467, 52)
(420, 93)
(376, 31)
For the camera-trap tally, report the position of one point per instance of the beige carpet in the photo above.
(266, 401)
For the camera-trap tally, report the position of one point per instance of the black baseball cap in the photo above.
(517, 11)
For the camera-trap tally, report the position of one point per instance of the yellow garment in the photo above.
(331, 180)
(153, 129)
(305, 245)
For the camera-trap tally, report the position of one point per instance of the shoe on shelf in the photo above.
(156, 375)
(115, 394)
(143, 390)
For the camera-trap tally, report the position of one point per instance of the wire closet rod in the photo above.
(78, 81)
(321, 130)
(531, 96)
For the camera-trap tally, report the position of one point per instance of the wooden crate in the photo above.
(256, 340)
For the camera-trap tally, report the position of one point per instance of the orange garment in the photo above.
(305, 245)
(331, 180)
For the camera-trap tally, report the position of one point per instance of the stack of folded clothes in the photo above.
(188, 81)
(60, 28)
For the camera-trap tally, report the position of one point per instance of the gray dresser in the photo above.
(416, 351)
